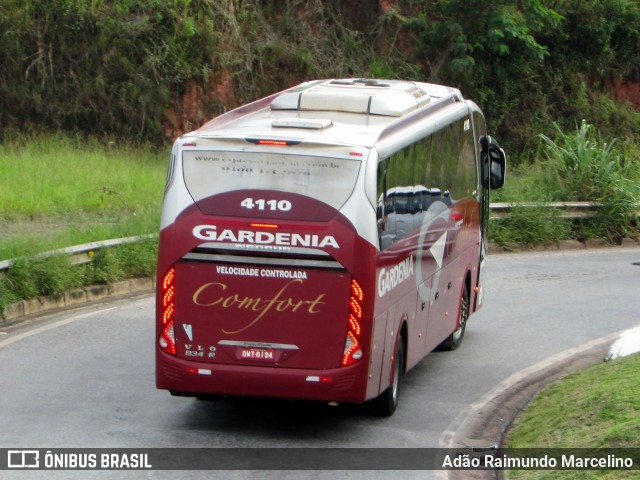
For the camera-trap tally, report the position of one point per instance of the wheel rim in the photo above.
(464, 315)
(397, 372)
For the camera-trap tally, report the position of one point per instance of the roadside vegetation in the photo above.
(149, 70)
(598, 407)
(68, 191)
(33, 276)
(572, 166)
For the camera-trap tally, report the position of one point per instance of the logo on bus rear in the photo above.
(210, 233)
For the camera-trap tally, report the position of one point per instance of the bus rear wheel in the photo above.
(387, 402)
(455, 339)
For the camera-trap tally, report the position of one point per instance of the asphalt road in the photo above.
(85, 378)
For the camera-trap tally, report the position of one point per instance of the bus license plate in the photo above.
(252, 353)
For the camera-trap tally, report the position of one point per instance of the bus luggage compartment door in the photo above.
(261, 315)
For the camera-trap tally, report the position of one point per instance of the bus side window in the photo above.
(385, 206)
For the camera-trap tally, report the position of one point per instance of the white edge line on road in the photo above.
(49, 326)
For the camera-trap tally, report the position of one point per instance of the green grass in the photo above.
(60, 191)
(530, 226)
(598, 407)
(63, 191)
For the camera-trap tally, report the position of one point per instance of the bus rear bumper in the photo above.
(188, 378)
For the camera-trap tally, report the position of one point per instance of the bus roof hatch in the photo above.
(376, 97)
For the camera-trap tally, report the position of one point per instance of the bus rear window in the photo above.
(248, 183)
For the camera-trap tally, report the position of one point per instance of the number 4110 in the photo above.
(262, 204)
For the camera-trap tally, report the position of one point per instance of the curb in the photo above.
(25, 309)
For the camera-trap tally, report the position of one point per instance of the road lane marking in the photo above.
(50, 326)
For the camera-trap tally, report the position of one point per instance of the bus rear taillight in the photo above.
(352, 348)
(167, 340)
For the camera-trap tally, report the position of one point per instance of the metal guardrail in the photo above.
(568, 209)
(83, 253)
(80, 254)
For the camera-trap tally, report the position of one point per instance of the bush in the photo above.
(529, 226)
(102, 66)
(106, 267)
(30, 277)
(148, 69)
(581, 167)
(576, 166)
(138, 259)
(55, 275)
(21, 278)
(7, 295)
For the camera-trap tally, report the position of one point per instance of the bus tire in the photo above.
(387, 402)
(455, 339)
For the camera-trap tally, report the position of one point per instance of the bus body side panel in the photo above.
(480, 130)
(376, 359)
(430, 238)
(420, 281)
(393, 325)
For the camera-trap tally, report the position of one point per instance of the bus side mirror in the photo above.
(494, 163)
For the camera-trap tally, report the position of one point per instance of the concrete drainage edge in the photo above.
(20, 311)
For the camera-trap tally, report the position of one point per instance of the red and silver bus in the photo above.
(318, 243)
